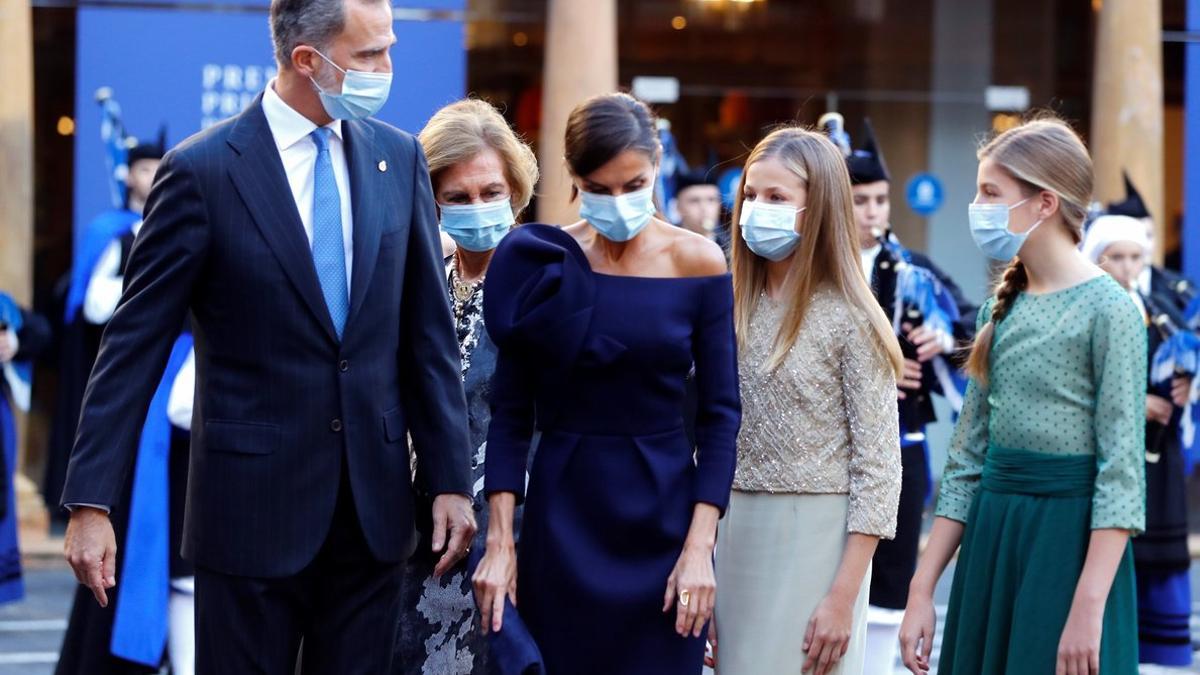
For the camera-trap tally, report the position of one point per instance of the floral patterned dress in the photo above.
(439, 629)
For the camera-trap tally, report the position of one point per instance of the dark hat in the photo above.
(866, 163)
(1132, 206)
(148, 150)
(689, 179)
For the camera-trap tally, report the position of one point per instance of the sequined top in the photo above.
(824, 422)
(1067, 377)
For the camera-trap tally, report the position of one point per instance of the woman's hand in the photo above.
(916, 632)
(1181, 391)
(1079, 646)
(692, 588)
(828, 633)
(495, 578)
(1158, 409)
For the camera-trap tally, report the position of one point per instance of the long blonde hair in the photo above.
(1041, 154)
(828, 250)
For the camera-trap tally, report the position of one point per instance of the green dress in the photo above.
(1052, 448)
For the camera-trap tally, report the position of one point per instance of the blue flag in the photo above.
(140, 623)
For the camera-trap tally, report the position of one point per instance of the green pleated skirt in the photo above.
(1022, 551)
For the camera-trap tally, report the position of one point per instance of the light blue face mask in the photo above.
(363, 94)
(618, 218)
(989, 227)
(477, 227)
(770, 229)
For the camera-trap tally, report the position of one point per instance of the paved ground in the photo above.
(31, 631)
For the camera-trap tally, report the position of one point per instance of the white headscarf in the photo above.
(1108, 230)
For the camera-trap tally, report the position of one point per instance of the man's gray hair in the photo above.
(304, 22)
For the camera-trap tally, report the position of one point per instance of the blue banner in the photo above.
(190, 68)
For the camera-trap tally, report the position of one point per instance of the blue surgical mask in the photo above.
(363, 94)
(989, 227)
(477, 227)
(618, 218)
(770, 229)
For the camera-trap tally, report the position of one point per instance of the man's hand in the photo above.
(8, 345)
(453, 520)
(910, 379)
(91, 549)
(930, 343)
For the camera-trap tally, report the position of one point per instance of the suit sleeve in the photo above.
(162, 270)
(431, 374)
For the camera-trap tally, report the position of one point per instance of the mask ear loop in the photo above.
(330, 62)
(1028, 232)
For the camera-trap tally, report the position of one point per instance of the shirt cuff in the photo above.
(72, 507)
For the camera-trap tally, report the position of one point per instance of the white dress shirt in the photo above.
(107, 282)
(299, 154)
(867, 256)
(183, 394)
(1143, 280)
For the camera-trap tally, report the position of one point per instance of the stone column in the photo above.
(16, 190)
(1127, 104)
(1191, 149)
(962, 62)
(16, 146)
(581, 61)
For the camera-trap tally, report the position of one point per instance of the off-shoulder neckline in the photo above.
(582, 255)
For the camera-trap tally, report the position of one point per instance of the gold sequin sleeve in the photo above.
(869, 396)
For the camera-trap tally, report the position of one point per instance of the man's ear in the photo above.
(305, 61)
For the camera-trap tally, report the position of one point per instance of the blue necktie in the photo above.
(329, 253)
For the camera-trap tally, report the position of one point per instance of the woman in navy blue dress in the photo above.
(598, 326)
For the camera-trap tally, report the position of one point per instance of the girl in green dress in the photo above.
(1044, 484)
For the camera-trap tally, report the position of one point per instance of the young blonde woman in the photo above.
(1044, 484)
(818, 474)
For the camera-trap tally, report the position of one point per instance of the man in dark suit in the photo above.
(302, 237)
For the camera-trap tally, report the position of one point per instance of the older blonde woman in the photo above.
(483, 178)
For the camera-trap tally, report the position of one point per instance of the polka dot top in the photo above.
(1067, 377)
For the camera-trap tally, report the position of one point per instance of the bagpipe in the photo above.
(1190, 297)
(1177, 356)
(672, 166)
(116, 145)
(921, 299)
(97, 234)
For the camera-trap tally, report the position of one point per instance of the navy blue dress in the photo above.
(598, 363)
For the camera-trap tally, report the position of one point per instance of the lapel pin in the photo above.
(382, 165)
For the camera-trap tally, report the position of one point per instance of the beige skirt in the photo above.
(777, 557)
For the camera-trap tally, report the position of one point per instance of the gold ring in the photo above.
(685, 596)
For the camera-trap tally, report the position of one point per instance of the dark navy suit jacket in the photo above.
(279, 400)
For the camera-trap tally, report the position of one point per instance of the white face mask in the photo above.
(769, 230)
(989, 228)
(618, 218)
(363, 94)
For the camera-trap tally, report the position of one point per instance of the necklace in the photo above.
(462, 290)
